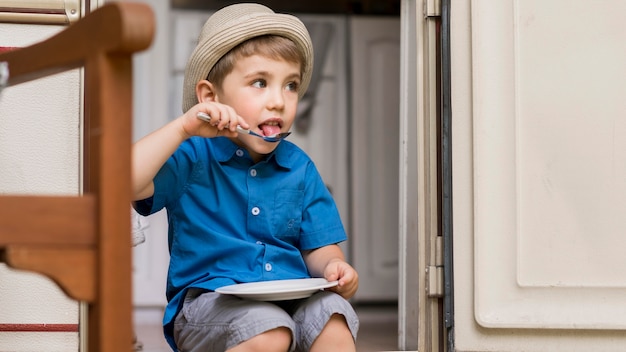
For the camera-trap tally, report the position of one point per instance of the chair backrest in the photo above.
(83, 242)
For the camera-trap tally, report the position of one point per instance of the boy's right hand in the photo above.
(152, 151)
(224, 121)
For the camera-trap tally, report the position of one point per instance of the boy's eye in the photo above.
(259, 83)
(292, 86)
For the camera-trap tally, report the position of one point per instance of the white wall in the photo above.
(39, 154)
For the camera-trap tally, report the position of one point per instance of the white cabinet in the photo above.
(374, 154)
(151, 74)
(539, 175)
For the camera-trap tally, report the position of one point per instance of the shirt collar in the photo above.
(225, 150)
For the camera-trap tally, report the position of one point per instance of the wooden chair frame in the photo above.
(83, 242)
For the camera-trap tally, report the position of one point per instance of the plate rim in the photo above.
(228, 289)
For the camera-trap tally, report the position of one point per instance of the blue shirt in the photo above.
(233, 221)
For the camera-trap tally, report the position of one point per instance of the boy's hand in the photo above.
(224, 121)
(328, 262)
(348, 278)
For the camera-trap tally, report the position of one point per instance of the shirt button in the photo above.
(268, 267)
(256, 211)
(253, 172)
(259, 242)
(239, 152)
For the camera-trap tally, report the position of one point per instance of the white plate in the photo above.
(277, 290)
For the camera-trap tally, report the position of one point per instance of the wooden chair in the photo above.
(83, 242)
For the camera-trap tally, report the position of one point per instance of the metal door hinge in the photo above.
(434, 281)
(434, 273)
(432, 8)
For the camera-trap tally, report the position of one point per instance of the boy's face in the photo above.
(264, 92)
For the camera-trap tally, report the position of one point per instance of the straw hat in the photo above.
(233, 25)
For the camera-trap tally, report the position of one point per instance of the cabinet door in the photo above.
(539, 119)
(153, 107)
(375, 70)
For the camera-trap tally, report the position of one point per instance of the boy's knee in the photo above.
(275, 340)
(335, 335)
(278, 339)
(337, 324)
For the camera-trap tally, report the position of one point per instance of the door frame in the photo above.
(420, 298)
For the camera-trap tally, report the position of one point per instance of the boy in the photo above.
(242, 209)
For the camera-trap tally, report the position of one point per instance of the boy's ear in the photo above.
(205, 91)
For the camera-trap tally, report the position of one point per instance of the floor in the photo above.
(378, 331)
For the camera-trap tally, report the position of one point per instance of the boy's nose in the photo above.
(276, 100)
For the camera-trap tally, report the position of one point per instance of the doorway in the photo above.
(337, 113)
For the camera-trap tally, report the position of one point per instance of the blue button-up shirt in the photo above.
(233, 221)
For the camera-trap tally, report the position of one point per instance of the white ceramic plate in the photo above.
(277, 290)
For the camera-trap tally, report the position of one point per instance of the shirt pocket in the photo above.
(287, 214)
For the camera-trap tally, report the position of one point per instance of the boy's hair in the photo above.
(269, 46)
(236, 24)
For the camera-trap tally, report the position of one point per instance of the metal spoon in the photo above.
(273, 138)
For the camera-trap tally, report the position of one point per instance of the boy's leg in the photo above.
(336, 336)
(325, 315)
(275, 340)
(215, 322)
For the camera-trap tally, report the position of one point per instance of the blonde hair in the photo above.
(270, 46)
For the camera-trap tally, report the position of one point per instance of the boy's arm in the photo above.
(150, 153)
(329, 262)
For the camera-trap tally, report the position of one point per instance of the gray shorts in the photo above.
(211, 321)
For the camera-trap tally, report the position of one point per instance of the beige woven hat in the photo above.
(233, 25)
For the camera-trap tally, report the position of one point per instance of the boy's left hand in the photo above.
(346, 275)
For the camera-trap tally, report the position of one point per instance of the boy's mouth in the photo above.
(270, 128)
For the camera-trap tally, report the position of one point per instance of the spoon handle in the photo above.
(207, 118)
